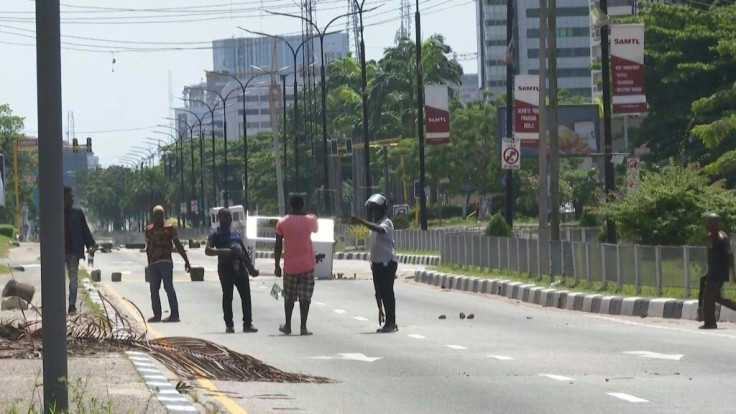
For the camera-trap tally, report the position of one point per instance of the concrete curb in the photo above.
(364, 256)
(667, 308)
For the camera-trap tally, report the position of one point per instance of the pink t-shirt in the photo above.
(297, 229)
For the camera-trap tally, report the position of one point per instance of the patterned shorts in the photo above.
(299, 286)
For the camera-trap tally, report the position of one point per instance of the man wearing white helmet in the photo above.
(383, 259)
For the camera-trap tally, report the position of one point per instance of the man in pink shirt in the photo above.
(294, 232)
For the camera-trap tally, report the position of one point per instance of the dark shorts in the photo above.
(299, 287)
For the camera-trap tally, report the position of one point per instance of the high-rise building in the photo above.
(574, 44)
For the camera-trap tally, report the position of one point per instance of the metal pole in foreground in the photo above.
(420, 122)
(364, 96)
(608, 146)
(509, 179)
(51, 197)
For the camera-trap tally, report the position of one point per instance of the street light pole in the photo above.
(211, 110)
(420, 121)
(182, 222)
(364, 95)
(203, 206)
(295, 55)
(321, 34)
(191, 155)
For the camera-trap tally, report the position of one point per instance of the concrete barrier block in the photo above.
(726, 315)
(475, 287)
(673, 309)
(504, 287)
(656, 307)
(512, 288)
(570, 300)
(520, 291)
(606, 305)
(524, 297)
(558, 298)
(96, 275)
(196, 274)
(535, 295)
(588, 303)
(689, 310)
(13, 303)
(485, 286)
(546, 296)
(19, 289)
(465, 286)
(116, 277)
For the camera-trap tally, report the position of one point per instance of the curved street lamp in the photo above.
(201, 162)
(211, 110)
(295, 55)
(191, 154)
(181, 222)
(224, 134)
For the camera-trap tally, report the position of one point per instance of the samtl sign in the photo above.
(526, 107)
(627, 69)
(437, 114)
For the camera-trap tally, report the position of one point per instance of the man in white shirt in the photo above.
(383, 259)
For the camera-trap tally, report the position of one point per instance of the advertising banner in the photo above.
(627, 69)
(526, 107)
(578, 130)
(437, 114)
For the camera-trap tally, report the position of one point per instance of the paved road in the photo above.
(512, 358)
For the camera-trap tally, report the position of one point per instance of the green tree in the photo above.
(10, 131)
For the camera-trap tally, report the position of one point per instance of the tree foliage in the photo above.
(668, 207)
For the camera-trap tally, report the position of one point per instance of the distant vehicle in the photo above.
(239, 218)
(567, 211)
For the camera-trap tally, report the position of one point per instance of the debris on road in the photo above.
(462, 315)
(471, 316)
(443, 317)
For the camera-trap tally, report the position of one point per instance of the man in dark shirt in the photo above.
(233, 267)
(720, 265)
(76, 237)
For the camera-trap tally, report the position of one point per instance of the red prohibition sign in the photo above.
(633, 164)
(511, 155)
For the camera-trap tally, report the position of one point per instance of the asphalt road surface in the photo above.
(511, 358)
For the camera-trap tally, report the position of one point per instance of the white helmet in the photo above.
(377, 200)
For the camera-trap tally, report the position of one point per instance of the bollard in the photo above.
(117, 277)
(96, 275)
(194, 244)
(196, 274)
(21, 290)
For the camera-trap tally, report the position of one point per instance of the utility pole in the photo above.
(51, 194)
(608, 147)
(554, 159)
(420, 122)
(542, 182)
(509, 179)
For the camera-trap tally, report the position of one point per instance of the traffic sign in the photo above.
(30, 179)
(27, 143)
(633, 172)
(510, 154)
(444, 180)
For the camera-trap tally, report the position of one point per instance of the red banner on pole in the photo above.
(526, 107)
(627, 69)
(437, 114)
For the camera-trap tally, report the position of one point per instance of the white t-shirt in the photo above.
(382, 244)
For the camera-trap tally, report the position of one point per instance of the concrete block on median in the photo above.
(485, 286)
(558, 298)
(22, 290)
(610, 305)
(522, 291)
(673, 309)
(116, 276)
(512, 288)
(570, 300)
(634, 306)
(591, 303)
(535, 294)
(656, 307)
(727, 315)
(689, 310)
(546, 296)
(475, 287)
(196, 274)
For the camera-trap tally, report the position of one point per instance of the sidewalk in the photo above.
(103, 382)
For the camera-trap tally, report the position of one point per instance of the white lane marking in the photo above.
(149, 370)
(501, 357)
(171, 391)
(417, 336)
(666, 328)
(556, 377)
(627, 397)
(457, 347)
(340, 311)
(143, 364)
(171, 399)
(158, 384)
(318, 303)
(360, 318)
(655, 355)
(350, 357)
(181, 408)
(139, 358)
(155, 377)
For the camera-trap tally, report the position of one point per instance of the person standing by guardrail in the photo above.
(294, 232)
(383, 259)
(161, 239)
(720, 265)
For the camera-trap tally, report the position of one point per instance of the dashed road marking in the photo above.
(360, 318)
(501, 357)
(627, 397)
(556, 377)
(182, 408)
(417, 336)
(339, 311)
(318, 303)
(655, 355)
(456, 347)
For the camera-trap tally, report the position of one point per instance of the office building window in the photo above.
(566, 73)
(562, 32)
(496, 22)
(496, 42)
(496, 83)
(562, 12)
(496, 2)
(562, 53)
(496, 62)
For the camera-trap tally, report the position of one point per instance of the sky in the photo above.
(120, 104)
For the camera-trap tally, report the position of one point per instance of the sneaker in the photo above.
(249, 328)
(229, 329)
(154, 319)
(72, 310)
(171, 319)
(388, 329)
